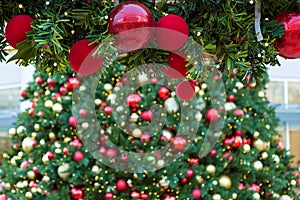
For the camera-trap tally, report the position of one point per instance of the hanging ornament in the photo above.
(172, 32)
(163, 93)
(171, 105)
(211, 169)
(289, 45)
(189, 173)
(81, 59)
(76, 143)
(72, 121)
(194, 161)
(177, 66)
(285, 197)
(185, 90)
(217, 197)
(225, 181)
(238, 142)
(121, 185)
(28, 144)
(258, 165)
(239, 112)
(77, 193)
(146, 115)
(109, 196)
(131, 23)
(63, 171)
(179, 143)
(212, 115)
(231, 98)
(196, 193)
(72, 83)
(78, 156)
(16, 29)
(133, 100)
(135, 194)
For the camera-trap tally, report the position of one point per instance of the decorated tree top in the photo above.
(238, 34)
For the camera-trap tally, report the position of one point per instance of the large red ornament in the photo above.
(109, 196)
(172, 32)
(72, 121)
(189, 173)
(73, 83)
(121, 185)
(212, 115)
(177, 66)
(16, 29)
(78, 156)
(185, 90)
(146, 115)
(289, 45)
(238, 141)
(194, 161)
(77, 193)
(163, 93)
(130, 22)
(133, 99)
(81, 58)
(179, 143)
(196, 194)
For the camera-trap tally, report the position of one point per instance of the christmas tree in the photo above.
(125, 126)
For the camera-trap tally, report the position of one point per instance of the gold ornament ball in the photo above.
(36, 127)
(7, 186)
(256, 196)
(57, 107)
(96, 169)
(293, 182)
(246, 148)
(199, 179)
(276, 158)
(264, 155)
(225, 181)
(217, 197)
(137, 133)
(27, 144)
(211, 169)
(31, 175)
(63, 171)
(46, 179)
(28, 195)
(20, 129)
(52, 136)
(259, 145)
(285, 197)
(256, 135)
(258, 165)
(12, 131)
(234, 195)
(48, 104)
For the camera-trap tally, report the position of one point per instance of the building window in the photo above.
(9, 98)
(275, 92)
(294, 92)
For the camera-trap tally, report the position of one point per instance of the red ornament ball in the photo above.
(196, 194)
(238, 133)
(194, 161)
(177, 66)
(81, 59)
(189, 173)
(50, 155)
(238, 142)
(213, 152)
(39, 80)
(121, 185)
(133, 100)
(172, 32)
(239, 112)
(231, 98)
(109, 196)
(78, 156)
(16, 29)
(77, 193)
(289, 45)
(82, 112)
(73, 83)
(163, 93)
(184, 181)
(108, 110)
(111, 152)
(130, 23)
(146, 115)
(23, 93)
(72, 121)
(135, 194)
(185, 90)
(179, 143)
(212, 115)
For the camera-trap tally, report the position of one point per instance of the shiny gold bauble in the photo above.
(27, 144)
(31, 175)
(211, 169)
(137, 133)
(225, 181)
(63, 171)
(28, 195)
(199, 179)
(217, 197)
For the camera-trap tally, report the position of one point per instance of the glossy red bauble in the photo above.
(81, 59)
(239, 112)
(289, 45)
(185, 90)
(213, 152)
(194, 161)
(172, 32)
(179, 143)
(135, 194)
(212, 115)
(231, 98)
(76, 143)
(144, 196)
(63, 90)
(238, 133)
(131, 23)
(50, 155)
(73, 83)
(121, 185)
(23, 93)
(39, 80)
(163, 93)
(146, 115)
(238, 141)
(196, 194)
(177, 66)
(108, 110)
(109, 196)
(82, 112)
(145, 137)
(72, 121)
(111, 152)
(78, 156)
(16, 29)
(184, 181)
(77, 193)
(189, 173)
(133, 100)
